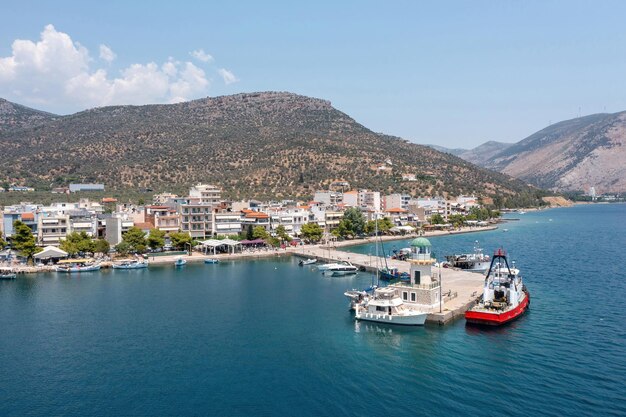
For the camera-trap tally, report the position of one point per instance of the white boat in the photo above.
(475, 262)
(211, 261)
(130, 264)
(342, 269)
(7, 273)
(307, 262)
(78, 267)
(385, 306)
(179, 261)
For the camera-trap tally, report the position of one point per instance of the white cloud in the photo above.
(200, 55)
(227, 76)
(58, 73)
(107, 54)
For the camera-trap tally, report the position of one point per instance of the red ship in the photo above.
(505, 296)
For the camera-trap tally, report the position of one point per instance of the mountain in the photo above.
(571, 155)
(260, 145)
(451, 151)
(483, 153)
(15, 116)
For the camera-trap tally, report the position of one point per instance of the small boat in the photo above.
(393, 274)
(7, 273)
(325, 267)
(342, 269)
(358, 296)
(180, 262)
(386, 306)
(78, 267)
(504, 298)
(211, 261)
(307, 262)
(130, 264)
(505, 230)
(475, 262)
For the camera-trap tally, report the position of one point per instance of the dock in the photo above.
(460, 289)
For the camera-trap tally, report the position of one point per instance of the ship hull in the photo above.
(412, 320)
(497, 319)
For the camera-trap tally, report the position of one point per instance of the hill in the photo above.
(253, 145)
(571, 155)
(15, 116)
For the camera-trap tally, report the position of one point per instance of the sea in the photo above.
(269, 338)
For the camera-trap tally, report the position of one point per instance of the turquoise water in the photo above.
(270, 338)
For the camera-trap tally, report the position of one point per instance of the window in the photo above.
(413, 297)
(405, 295)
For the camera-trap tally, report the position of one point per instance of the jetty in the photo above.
(460, 289)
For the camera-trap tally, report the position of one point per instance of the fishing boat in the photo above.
(505, 297)
(393, 274)
(211, 261)
(130, 264)
(342, 269)
(307, 262)
(77, 265)
(475, 262)
(180, 261)
(386, 306)
(7, 273)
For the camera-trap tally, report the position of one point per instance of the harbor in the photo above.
(459, 289)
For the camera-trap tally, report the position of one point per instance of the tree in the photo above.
(101, 246)
(282, 233)
(23, 240)
(352, 223)
(456, 219)
(259, 232)
(77, 242)
(384, 225)
(180, 240)
(312, 232)
(156, 238)
(123, 248)
(436, 219)
(249, 234)
(136, 239)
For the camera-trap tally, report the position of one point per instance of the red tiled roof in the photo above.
(396, 210)
(109, 200)
(144, 226)
(257, 215)
(28, 216)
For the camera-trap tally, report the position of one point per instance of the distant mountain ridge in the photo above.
(478, 155)
(571, 155)
(264, 145)
(16, 116)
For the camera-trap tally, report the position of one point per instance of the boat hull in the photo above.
(211, 261)
(138, 266)
(341, 273)
(497, 319)
(78, 270)
(409, 320)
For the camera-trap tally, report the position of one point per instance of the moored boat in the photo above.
(180, 261)
(7, 273)
(342, 269)
(74, 266)
(307, 262)
(505, 297)
(130, 264)
(385, 306)
(475, 262)
(211, 261)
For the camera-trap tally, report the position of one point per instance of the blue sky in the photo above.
(449, 73)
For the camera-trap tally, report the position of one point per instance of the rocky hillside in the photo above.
(15, 116)
(478, 155)
(571, 155)
(253, 145)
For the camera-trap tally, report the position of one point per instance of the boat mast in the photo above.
(376, 240)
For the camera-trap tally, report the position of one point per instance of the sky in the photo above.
(449, 73)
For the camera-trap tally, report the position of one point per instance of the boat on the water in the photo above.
(130, 264)
(180, 261)
(386, 306)
(73, 266)
(475, 262)
(304, 262)
(505, 297)
(341, 270)
(7, 273)
(211, 261)
(393, 274)
(326, 267)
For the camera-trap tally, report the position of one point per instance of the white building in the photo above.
(207, 194)
(369, 200)
(328, 198)
(392, 201)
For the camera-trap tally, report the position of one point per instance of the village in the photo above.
(204, 219)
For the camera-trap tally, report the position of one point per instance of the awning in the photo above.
(50, 252)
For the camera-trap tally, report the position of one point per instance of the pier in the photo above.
(460, 288)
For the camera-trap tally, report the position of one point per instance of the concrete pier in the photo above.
(460, 288)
